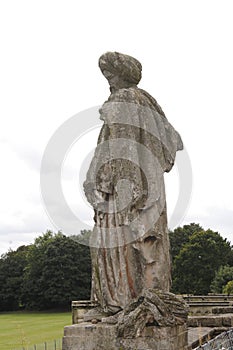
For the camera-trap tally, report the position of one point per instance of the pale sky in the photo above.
(49, 72)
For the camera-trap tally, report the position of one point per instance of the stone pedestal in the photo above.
(100, 336)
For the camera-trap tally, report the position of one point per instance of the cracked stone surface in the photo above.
(125, 186)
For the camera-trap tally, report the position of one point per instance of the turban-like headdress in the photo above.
(124, 66)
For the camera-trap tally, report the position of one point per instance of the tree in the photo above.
(222, 276)
(180, 236)
(198, 260)
(228, 288)
(12, 266)
(58, 271)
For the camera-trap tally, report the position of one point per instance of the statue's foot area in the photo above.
(152, 308)
(95, 314)
(112, 319)
(98, 313)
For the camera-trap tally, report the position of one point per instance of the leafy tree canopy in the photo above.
(12, 267)
(222, 277)
(47, 274)
(198, 260)
(58, 271)
(180, 236)
(228, 288)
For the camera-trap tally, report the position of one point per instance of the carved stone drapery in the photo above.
(125, 186)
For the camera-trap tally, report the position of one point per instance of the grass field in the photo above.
(20, 330)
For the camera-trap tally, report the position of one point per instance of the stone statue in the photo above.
(125, 186)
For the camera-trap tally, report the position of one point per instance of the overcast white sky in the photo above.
(49, 72)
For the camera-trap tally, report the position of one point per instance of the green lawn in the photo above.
(20, 330)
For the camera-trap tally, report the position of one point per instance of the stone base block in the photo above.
(87, 336)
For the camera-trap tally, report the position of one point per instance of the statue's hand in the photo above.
(94, 197)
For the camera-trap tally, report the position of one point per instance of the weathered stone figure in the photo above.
(125, 186)
(129, 245)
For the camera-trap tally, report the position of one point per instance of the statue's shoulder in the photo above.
(137, 96)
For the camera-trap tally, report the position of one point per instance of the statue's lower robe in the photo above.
(120, 273)
(125, 186)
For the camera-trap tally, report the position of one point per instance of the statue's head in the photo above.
(121, 71)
